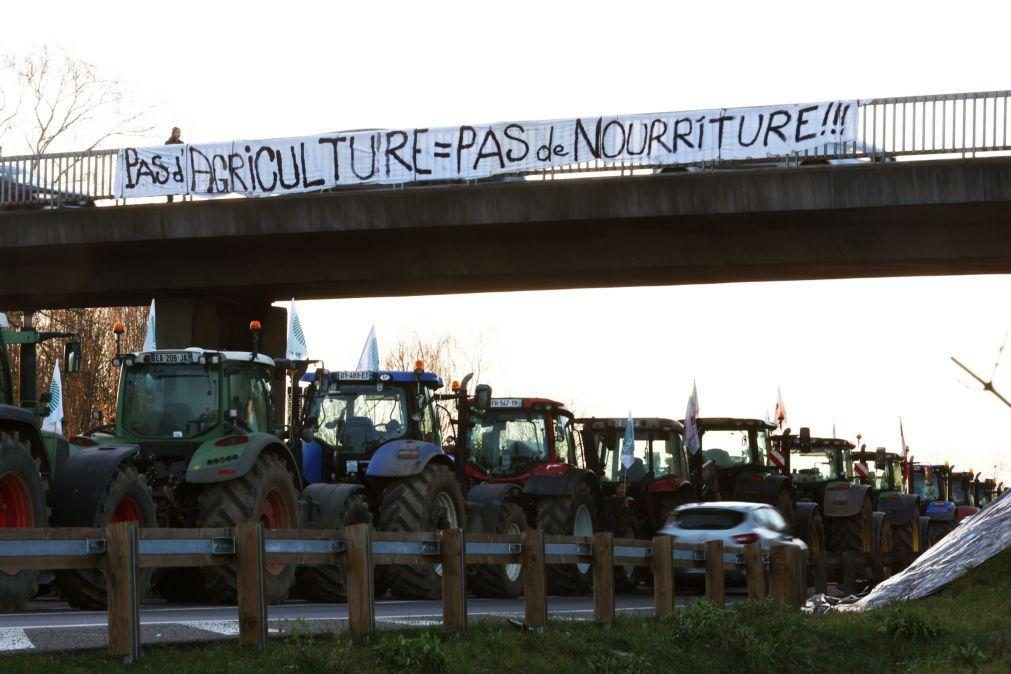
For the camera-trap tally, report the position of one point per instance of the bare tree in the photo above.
(63, 98)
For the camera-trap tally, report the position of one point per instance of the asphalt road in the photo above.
(50, 625)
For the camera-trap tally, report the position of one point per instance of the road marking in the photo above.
(410, 622)
(14, 639)
(229, 628)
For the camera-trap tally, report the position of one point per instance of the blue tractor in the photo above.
(371, 451)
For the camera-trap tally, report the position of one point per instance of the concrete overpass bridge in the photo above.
(214, 264)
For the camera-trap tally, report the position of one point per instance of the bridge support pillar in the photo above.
(219, 324)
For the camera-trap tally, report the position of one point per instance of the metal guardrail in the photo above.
(942, 126)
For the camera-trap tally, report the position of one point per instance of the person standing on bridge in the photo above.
(175, 138)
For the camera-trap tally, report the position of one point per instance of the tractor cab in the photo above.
(514, 439)
(960, 486)
(984, 491)
(349, 416)
(816, 466)
(739, 449)
(881, 470)
(657, 479)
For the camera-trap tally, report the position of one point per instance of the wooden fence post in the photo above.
(754, 568)
(798, 558)
(454, 581)
(122, 542)
(603, 577)
(778, 574)
(820, 572)
(714, 572)
(534, 582)
(361, 599)
(249, 564)
(663, 575)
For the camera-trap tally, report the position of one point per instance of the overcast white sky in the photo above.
(877, 349)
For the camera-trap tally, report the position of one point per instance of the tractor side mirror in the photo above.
(805, 439)
(482, 397)
(72, 357)
(308, 435)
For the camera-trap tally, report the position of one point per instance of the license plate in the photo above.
(352, 466)
(507, 403)
(354, 376)
(171, 358)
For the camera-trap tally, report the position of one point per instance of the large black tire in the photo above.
(566, 516)
(502, 580)
(882, 539)
(127, 499)
(627, 576)
(815, 538)
(905, 542)
(924, 525)
(328, 582)
(266, 494)
(429, 501)
(22, 504)
(938, 530)
(854, 532)
(785, 505)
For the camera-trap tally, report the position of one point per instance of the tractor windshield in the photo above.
(734, 447)
(508, 443)
(926, 489)
(816, 465)
(958, 492)
(176, 401)
(358, 419)
(655, 450)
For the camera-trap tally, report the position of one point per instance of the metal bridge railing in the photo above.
(939, 126)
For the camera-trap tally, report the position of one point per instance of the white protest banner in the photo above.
(393, 156)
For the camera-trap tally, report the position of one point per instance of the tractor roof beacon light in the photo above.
(419, 367)
(255, 327)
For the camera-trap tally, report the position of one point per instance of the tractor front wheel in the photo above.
(854, 532)
(938, 530)
(265, 494)
(127, 499)
(328, 582)
(22, 505)
(429, 501)
(568, 516)
(502, 580)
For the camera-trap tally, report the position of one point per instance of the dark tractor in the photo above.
(195, 443)
(372, 452)
(884, 472)
(29, 456)
(984, 491)
(963, 494)
(748, 468)
(933, 484)
(520, 467)
(818, 470)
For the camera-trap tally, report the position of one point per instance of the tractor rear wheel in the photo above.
(568, 516)
(328, 582)
(854, 532)
(938, 530)
(126, 499)
(265, 494)
(22, 505)
(502, 580)
(906, 542)
(429, 501)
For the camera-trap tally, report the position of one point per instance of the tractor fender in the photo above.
(404, 458)
(803, 514)
(765, 490)
(845, 502)
(901, 508)
(546, 484)
(940, 511)
(213, 462)
(484, 502)
(24, 422)
(81, 483)
(323, 503)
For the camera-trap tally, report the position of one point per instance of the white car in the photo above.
(736, 523)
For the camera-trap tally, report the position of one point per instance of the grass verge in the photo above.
(967, 627)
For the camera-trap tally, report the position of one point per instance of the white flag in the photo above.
(780, 419)
(54, 422)
(369, 360)
(628, 448)
(297, 347)
(692, 440)
(149, 339)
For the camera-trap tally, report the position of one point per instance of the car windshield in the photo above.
(507, 443)
(734, 447)
(656, 449)
(358, 419)
(814, 466)
(173, 401)
(708, 518)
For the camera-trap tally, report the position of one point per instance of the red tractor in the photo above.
(516, 459)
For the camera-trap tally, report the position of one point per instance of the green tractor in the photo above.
(29, 456)
(195, 443)
(884, 472)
